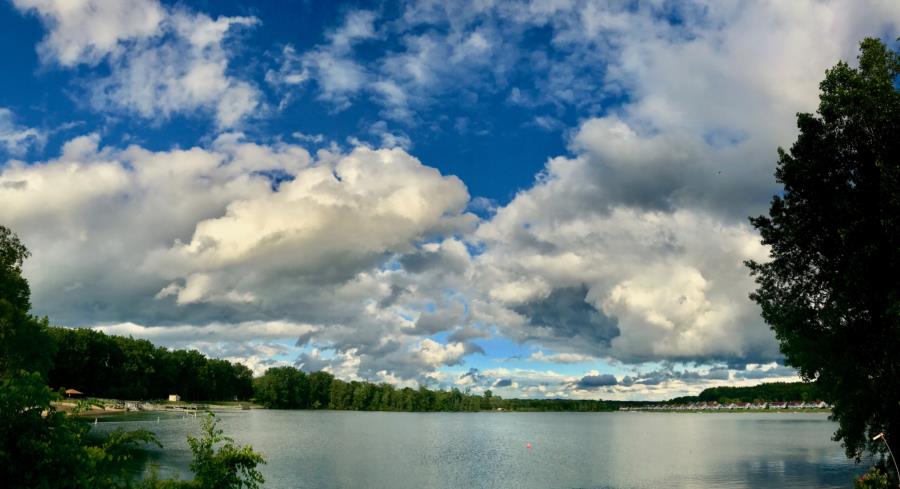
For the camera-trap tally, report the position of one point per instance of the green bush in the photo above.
(224, 467)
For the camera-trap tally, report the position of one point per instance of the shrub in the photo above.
(873, 479)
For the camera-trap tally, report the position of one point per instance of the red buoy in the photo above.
(528, 445)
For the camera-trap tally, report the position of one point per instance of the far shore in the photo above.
(727, 411)
(106, 407)
(103, 407)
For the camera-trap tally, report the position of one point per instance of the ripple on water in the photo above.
(326, 449)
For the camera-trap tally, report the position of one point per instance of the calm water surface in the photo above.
(327, 449)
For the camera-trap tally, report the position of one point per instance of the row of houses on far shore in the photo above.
(732, 406)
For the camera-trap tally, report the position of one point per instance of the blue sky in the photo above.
(451, 128)
(524, 196)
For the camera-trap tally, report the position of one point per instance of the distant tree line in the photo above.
(770, 392)
(290, 388)
(118, 367)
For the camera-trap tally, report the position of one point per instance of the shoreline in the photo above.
(105, 407)
(221, 408)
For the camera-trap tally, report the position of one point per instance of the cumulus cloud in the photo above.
(651, 285)
(443, 319)
(661, 383)
(627, 249)
(195, 246)
(161, 61)
(566, 312)
(632, 247)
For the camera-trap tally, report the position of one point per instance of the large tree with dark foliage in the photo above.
(831, 291)
(102, 365)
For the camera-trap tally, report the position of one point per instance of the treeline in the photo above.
(290, 388)
(770, 392)
(118, 367)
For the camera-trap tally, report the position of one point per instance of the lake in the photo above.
(334, 449)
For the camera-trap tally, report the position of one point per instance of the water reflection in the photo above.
(569, 450)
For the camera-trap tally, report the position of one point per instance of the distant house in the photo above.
(174, 398)
(72, 393)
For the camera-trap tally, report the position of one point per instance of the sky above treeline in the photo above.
(545, 199)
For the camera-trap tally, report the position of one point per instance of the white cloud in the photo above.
(16, 139)
(435, 354)
(389, 139)
(672, 285)
(632, 248)
(399, 79)
(629, 249)
(331, 65)
(205, 242)
(186, 334)
(162, 61)
(540, 356)
(432, 53)
(366, 204)
(660, 384)
(87, 31)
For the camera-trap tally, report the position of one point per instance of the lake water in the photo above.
(329, 449)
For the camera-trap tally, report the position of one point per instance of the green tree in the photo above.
(320, 389)
(831, 290)
(226, 466)
(40, 447)
(282, 388)
(24, 342)
(217, 463)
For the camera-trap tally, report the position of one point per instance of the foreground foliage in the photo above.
(217, 464)
(831, 291)
(873, 479)
(40, 447)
